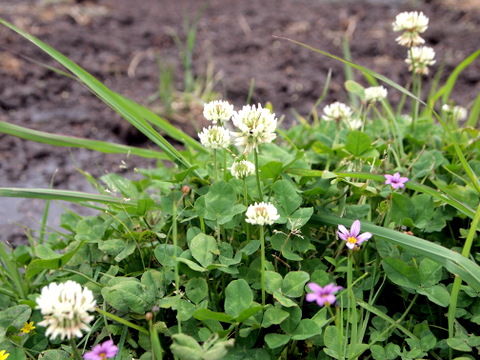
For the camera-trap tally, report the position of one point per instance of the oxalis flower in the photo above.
(419, 58)
(4, 355)
(412, 23)
(27, 327)
(395, 180)
(215, 137)
(65, 309)
(353, 237)
(102, 351)
(256, 126)
(243, 168)
(218, 111)
(261, 214)
(324, 296)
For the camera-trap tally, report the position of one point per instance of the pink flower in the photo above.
(103, 351)
(324, 296)
(396, 180)
(352, 236)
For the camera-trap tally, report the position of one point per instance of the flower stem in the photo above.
(262, 263)
(175, 240)
(215, 164)
(352, 308)
(75, 352)
(257, 175)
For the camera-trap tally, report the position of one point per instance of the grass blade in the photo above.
(71, 141)
(453, 261)
(65, 195)
(109, 97)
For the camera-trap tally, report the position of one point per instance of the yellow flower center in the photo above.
(352, 240)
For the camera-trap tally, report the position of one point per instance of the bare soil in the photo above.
(122, 42)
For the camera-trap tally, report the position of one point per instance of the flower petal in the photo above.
(355, 228)
(362, 237)
(315, 287)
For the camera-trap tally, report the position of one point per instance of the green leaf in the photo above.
(458, 344)
(358, 142)
(245, 314)
(283, 300)
(238, 297)
(271, 170)
(355, 88)
(273, 282)
(15, 317)
(55, 355)
(128, 294)
(400, 273)
(276, 340)
(437, 294)
(207, 314)
(203, 247)
(299, 218)
(39, 265)
(306, 329)
(167, 254)
(219, 204)
(186, 347)
(153, 280)
(287, 197)
(273, 316)
(293, 284)
(333, 341)
(118, 248)
(196, 290)
(290, 323)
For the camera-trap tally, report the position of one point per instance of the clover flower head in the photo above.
(262, 214)
(419, 58)
(412, 23)
(354, 124)
(337, 111)
(395, 180)
(215, 137)
(256, 126)
(375, 93)
(65, 309)
(4, 355)
(243, 168)
(457, 112)
(323, 296)
(27, 327)
(102, 351)
(218, 111)
(353, 236)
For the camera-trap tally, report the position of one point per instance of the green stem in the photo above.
(417, 83)
(257, 175)
(352, 308)
(73, 346)
(157, 350)
(175, 241)
(262, 263)
(122, 321)
(225, 164)
(215, 164)
(458, 281)
(245, 202)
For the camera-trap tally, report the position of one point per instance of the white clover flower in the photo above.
(458, 113)
(419, 58)
(215, 137)
(65, 309)
(218, 111)
(354, 124)
(337, 111)
(243, 168)
(261, 214)
(256, 125)
(375, 93)
(412, 23)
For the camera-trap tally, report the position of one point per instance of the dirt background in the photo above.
(121, 42)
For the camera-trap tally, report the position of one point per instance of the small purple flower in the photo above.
(102, 351)
(324, 296)
(352, 236)
(396, 180)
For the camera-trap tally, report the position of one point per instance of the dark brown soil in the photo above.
(121, 42)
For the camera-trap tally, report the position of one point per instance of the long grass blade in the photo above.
(109, 97)
(454, 262)
(71, 141)
(464, 209)
(65, 195)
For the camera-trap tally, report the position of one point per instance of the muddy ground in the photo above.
(124, 42)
